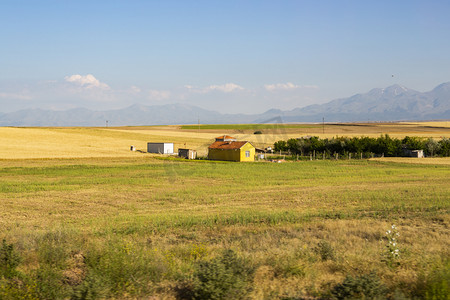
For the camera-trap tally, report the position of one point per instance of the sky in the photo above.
(228, 56)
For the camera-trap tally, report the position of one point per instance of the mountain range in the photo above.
(394, 103)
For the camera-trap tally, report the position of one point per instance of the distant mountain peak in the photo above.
(392, 103)
(273, 111)
(137, 106)
(445, 87)
(395, 89)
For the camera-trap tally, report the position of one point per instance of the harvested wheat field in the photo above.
(78, 142)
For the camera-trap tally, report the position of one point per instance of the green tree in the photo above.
(280, 146)
(444, 147)
(413, 143)
(431, 147)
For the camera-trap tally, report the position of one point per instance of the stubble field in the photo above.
(87, 218)
(76, 142)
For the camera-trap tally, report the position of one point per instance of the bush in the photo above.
(325, 250)
(93, 287)
(366, 286)
(257, 132)
(9, 260)
(435, 285)
(50, 284)
(224, 277)
(122, 268)
(23, 288)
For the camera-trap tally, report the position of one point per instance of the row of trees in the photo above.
(383, 145)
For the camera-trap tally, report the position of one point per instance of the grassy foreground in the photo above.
(137, 227)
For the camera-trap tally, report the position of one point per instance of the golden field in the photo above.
(79, 142)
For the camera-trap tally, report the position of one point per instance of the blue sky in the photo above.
(229, 56)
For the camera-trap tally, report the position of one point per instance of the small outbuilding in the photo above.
(161, 148)
(413, 153)
(187, 153)
(227, 148)
(417, 153)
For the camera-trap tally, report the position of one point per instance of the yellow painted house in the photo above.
(227, 148)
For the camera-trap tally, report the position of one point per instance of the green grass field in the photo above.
(142, 226)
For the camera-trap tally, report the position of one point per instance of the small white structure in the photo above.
(413, 153)
(417, 153)
(187, 153)
(161, 148)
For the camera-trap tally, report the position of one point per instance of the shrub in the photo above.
(257, 132)
(93, 287)
(49, 283)
(224, 277)
(325, 250)
(435, 285)
(24, 288)
(121, 268)
(366, 286)
(9, 260)
(286, 266)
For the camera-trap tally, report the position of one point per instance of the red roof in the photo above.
(225, 137)
(227, 145)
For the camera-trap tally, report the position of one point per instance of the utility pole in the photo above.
(323, 125)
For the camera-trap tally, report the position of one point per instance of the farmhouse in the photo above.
(161, 148)
(227, 148)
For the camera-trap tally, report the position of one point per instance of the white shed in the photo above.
(161, 148)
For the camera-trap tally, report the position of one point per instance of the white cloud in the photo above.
(15, 96)
(87, 81)
(224, 88)
(314, 87)
(135, 89)
(287, 86)
(87, 91)
(159, 94)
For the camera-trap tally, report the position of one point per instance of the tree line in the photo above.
(364, 146)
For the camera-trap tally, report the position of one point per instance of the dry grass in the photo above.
(20, 143)
(93, 195)
(411, 160)
(442, 124)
